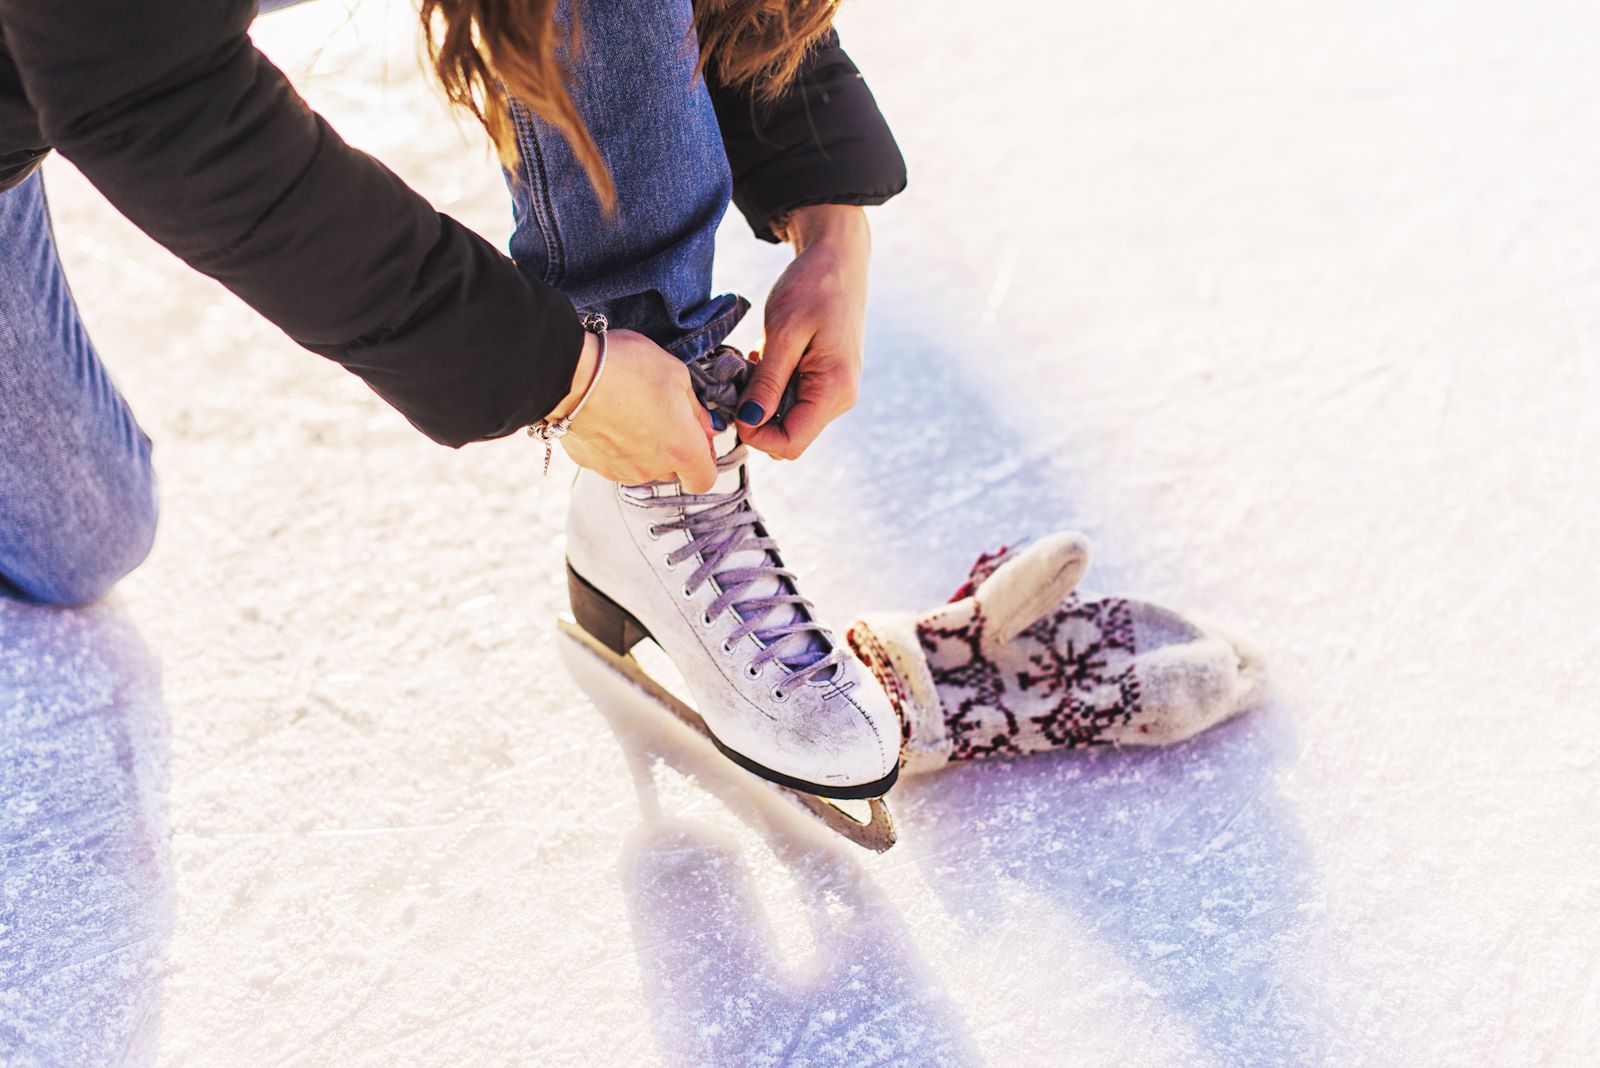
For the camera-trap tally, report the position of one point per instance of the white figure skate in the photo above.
(773, 689)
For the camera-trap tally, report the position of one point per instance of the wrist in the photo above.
(582, 375)
(816, 223)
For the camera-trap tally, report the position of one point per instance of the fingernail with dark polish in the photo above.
(751, 412)
(718, 421)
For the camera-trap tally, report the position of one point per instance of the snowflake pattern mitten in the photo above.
(1017, 662)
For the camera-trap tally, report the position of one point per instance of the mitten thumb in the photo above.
(1029, 585)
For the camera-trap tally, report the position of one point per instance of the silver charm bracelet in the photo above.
(548, 430)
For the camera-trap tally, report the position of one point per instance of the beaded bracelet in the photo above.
(548, 430)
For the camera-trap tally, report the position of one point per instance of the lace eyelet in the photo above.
(753, 672)
(688, 594)
(652, 533)
(778, 694)
(666, 562)
(726, 648)
(705, 619)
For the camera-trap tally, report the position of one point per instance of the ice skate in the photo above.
(771, 686)
(867, 823)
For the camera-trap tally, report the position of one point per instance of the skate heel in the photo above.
(609, 623)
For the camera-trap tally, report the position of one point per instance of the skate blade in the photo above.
(873, 829)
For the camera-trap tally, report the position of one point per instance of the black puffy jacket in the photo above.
(170, 111)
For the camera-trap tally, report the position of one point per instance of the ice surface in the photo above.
(1293, 309)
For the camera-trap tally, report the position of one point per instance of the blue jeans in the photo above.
(77, 495)
(647, 268)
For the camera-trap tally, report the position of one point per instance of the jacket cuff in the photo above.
(824, 141)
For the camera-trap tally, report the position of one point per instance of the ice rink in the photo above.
(1294, 309)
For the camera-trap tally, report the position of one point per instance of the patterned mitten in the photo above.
(1018, 663)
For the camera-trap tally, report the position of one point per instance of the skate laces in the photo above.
(722, 525)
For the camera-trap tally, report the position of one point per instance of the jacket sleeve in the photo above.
(823, 141)
(169, 110)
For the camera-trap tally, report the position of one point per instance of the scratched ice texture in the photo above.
(1294, 309)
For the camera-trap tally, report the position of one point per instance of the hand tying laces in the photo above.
(721, 527)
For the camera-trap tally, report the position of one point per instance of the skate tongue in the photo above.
(723, 442)
(727, 482)
(799, 650)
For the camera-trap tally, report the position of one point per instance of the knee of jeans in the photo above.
(85, 565)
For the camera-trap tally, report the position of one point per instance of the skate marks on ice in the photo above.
(720, 989)
(720, 993)
(86, 882)
(1180, 860)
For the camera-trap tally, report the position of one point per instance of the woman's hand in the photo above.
(642, 423)
(815, 328)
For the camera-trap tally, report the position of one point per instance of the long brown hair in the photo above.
(487, 53)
